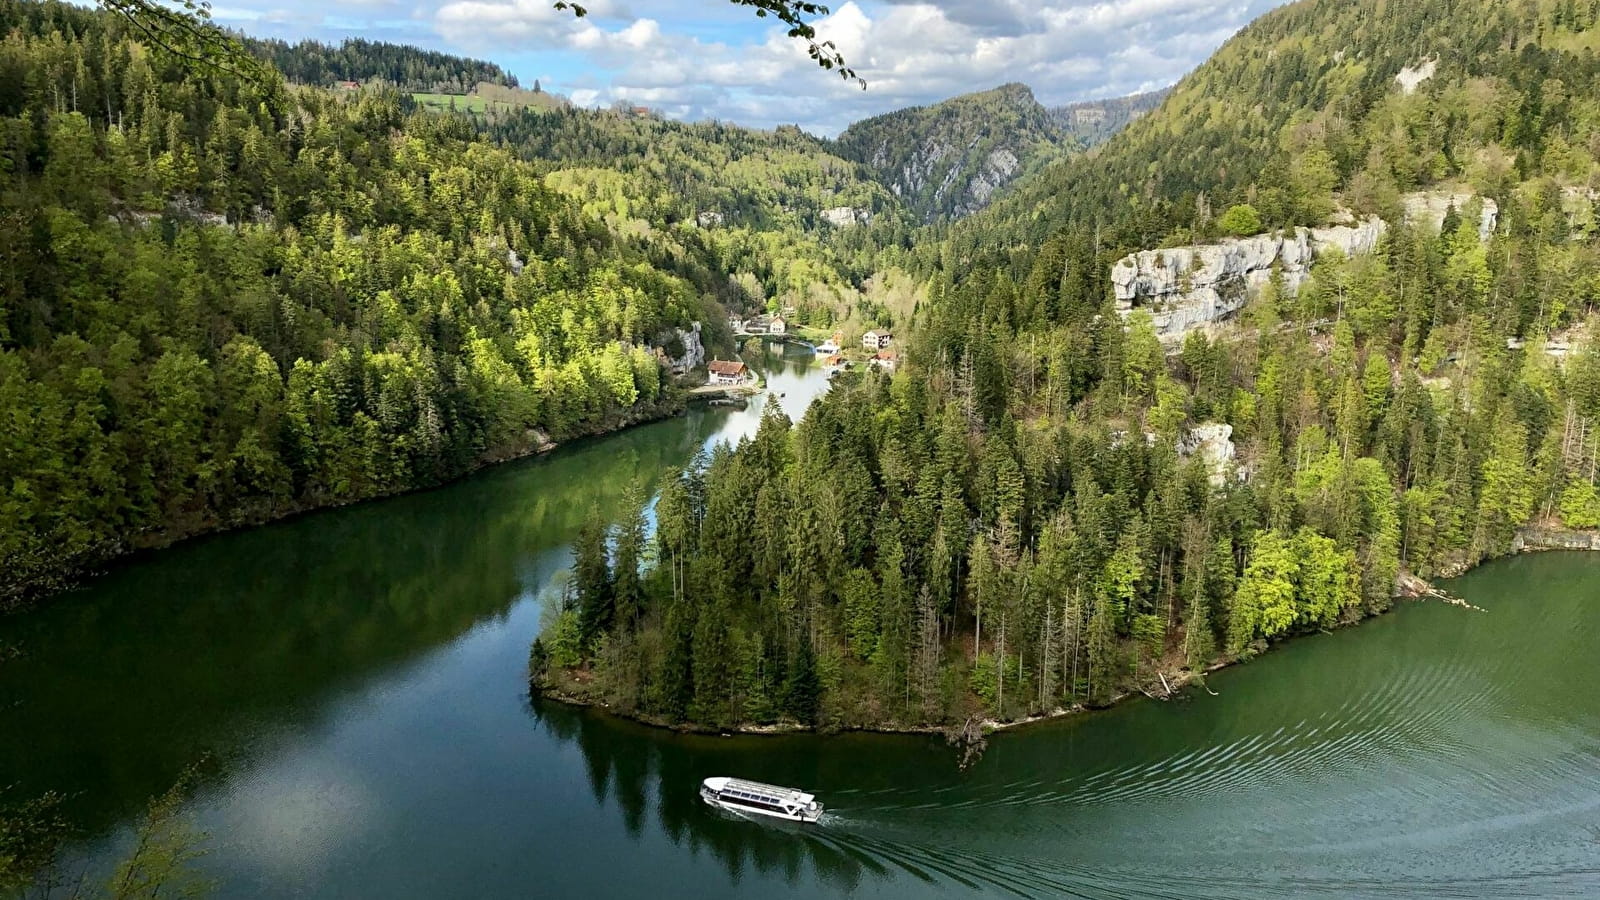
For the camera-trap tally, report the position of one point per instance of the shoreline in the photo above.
(1408, 587)
(58, 585)
(1176, 682)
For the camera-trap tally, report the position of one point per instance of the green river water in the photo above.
(359, 676)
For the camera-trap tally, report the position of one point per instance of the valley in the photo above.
(356, 412)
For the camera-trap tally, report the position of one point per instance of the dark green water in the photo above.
(360, 674)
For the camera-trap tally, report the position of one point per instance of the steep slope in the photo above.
(1325, 100)
(949, 159)
(1093, 122)
(794, 224)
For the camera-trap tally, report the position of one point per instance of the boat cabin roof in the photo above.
(770, 792)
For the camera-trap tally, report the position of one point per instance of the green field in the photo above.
(488, 97)
(462, 102)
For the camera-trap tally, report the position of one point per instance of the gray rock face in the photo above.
(1190, 287)
(1429, 209)
(1213, 443)
(937, 155)
(996, 172)
(845, 216)
(694, 349)
(1530, 537)
(950, 159)
(1187, 287)
(709, 219)
(1411, 77)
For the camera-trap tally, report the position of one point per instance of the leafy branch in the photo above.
(183, 29)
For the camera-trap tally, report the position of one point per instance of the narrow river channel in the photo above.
(359, 677)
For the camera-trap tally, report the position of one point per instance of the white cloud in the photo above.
(711, 58)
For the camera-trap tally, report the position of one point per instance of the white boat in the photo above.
(753, 797)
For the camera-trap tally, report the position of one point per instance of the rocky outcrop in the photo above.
(1531, 537)
(995, 173)
(950, 159)
(1213, 444)
(1412, 77)
(1187, 287)
(1094, 122)
(845, 216)
(1429, 208)
(693, 349)
(709, 219)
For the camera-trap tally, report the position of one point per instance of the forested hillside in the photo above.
(947, 160)
(224, 300)
(1047, 506)
(793, 223)
(1093, 122)
(408, 69)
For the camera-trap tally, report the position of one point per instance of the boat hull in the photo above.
(738, 810)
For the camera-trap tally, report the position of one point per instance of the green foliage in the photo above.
(31, 833)
(1580, 504)
(985, 679)
(1240, 221)
(1304, 579)
(1030, 471)
(166, 845)
(222, 312)
(564, 639)
(408, 69)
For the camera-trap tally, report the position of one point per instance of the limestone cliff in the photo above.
(1189, 287)
(1186, 287)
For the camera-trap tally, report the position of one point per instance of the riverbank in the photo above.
(51, 578)
(569, 690)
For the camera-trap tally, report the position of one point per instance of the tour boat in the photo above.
(739, 796)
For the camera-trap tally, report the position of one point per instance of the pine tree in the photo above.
(802, 693)
(592, 575)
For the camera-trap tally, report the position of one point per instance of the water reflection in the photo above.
(362, 672)
(651, 777)
(224, 646)
(1430, 753)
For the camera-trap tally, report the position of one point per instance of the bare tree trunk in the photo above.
(1000, 658)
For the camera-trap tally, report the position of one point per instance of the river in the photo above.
(358, 676)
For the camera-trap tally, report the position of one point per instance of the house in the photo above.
(736, 323)
(349, 85)
(726, 372)
(777, 326)
(876, 340)
(835, 364)
(886, 360)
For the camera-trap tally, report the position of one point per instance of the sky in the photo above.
(711, 59)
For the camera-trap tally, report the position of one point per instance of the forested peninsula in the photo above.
(1320, 320)
(1146, 423)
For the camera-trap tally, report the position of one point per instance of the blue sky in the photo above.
(699, 59)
